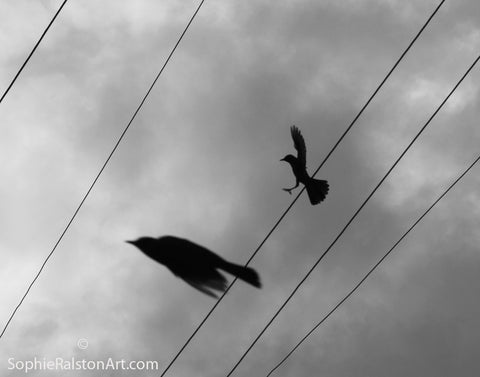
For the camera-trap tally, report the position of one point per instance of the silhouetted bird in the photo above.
(194, 263)
(317, 189)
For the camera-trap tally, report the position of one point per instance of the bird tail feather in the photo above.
(317, 190)
(246, 274)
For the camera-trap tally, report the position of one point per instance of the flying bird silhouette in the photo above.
(194, 264)
(317, 189)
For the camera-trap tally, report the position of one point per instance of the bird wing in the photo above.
(192, 252)
(206, 281)
(201, 288)
(299, 144)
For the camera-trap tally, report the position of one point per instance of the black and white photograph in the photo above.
(218, 188)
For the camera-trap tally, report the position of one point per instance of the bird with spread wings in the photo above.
(317, 189)
(195, 264)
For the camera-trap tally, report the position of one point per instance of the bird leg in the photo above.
(289, 190)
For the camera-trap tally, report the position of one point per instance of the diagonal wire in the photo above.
(103, 167)
(33, 50)
(199, 326)
(351, 219)
(374, 267)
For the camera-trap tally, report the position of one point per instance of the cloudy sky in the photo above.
(201, 161)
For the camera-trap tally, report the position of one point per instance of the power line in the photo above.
(351, 219)
(31, 52)
(199, 326)
(374, 267)
(103, 167)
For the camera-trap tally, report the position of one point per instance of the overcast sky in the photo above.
(201, 161)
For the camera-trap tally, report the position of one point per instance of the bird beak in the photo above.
(132, 242)
(283, 159)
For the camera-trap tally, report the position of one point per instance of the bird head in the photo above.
(152, 247)
(289, 158)
(142, 243)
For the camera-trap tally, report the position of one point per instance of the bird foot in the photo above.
(288, 190)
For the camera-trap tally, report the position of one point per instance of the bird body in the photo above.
(317, 189)
(193, 263)
(299, 170)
